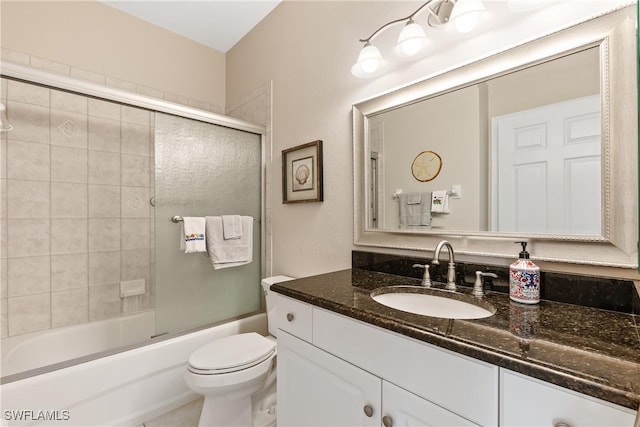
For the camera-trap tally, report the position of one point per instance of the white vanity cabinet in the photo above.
(401, 408)
(323, 390)
(337, 371)
(525, 401)
(318, 389)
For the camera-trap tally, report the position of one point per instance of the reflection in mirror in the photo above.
(468, 111)
(522, 151)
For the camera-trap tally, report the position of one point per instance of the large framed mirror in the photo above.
(538, 142)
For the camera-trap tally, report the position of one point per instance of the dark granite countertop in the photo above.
(588, 350)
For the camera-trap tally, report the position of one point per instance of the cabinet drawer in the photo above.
(460, 384)
(294, 317)
(525, 401)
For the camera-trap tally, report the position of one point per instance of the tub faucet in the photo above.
(426, 279)
(451, 271)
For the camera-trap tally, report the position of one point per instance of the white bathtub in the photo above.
(25, 352)
(124, 389)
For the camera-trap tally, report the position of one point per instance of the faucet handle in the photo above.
(426, 278)
(478, 289)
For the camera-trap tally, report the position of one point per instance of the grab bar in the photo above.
(178, 219)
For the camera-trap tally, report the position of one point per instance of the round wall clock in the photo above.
(426, 166)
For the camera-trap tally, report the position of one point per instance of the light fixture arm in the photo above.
(407, 18)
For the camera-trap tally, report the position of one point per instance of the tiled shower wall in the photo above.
(76, 178)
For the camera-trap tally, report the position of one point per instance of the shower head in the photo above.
(5, 126)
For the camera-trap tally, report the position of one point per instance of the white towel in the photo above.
(192, 235)
(231, 226)
(231, 252)
(415, 210)
(440, 201)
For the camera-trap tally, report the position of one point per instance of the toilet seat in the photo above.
(231, 354)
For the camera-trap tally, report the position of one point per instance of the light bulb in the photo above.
(411, 39)
(369, 59)
(465, 14)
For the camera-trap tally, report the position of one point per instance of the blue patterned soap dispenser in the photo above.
(524, 279)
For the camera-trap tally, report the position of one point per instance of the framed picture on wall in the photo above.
(302, 173)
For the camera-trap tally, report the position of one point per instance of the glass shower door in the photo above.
(203, 170)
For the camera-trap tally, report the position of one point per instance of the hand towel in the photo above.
(192, 235)
(231, 252)
(415, 210)
(440, 201)
(414, 198)
(231, 226)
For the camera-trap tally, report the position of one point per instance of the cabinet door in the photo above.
(318, 389)
(529, 402)
(408, 410)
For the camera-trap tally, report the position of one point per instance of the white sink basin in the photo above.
(433, 302)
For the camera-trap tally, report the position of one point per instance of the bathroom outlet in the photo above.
(129, 288)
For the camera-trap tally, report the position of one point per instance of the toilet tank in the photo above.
(270, 299)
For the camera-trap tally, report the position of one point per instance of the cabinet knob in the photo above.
(368, 411)
(289, 317)
(387, 421)
(561, 424)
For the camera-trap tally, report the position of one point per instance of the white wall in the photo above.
(307, 49)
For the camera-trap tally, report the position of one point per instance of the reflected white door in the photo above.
(547, 171)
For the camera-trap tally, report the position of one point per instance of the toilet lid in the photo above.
(234, 351)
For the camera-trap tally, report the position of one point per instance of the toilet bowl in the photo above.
(237, 375)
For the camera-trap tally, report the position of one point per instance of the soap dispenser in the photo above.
(524, 279)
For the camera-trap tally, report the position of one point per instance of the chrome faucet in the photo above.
(426, 278)
(451, 271)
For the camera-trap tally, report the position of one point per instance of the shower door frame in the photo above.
(57, 81)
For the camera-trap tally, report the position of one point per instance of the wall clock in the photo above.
(426, 166)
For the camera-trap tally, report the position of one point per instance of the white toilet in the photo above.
(237, 374)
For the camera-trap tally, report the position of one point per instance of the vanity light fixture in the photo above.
(5, 126)
(413, 38)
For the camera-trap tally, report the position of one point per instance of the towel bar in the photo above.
(178, 219)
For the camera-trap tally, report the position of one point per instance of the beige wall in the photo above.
(307, 49)
(91, 38)
(571, 77)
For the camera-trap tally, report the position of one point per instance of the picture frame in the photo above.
(302, 173)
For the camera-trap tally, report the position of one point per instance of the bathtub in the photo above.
(123, 389)
(30, 351)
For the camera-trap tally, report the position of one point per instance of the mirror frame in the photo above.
(614, 34)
